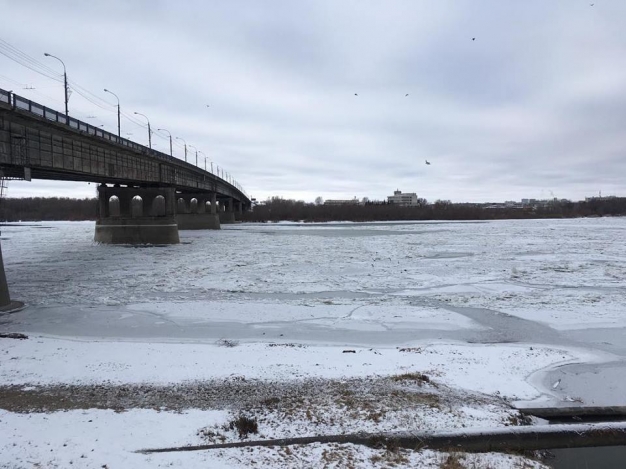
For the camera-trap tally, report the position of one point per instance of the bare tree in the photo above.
(319, 200)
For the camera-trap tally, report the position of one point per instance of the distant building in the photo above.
(341, 202)
(406, 199)
(600, 197)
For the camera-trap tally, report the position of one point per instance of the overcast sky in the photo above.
(535, 106)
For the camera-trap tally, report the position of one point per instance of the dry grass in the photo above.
(290, 345)
(453, 461)
(391, 454)
(419, 378)
(227, 343)
(518, 420)
(270, 401)
(244, 426)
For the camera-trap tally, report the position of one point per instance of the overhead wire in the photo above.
(23, 59)
(14, 50)
(36, 92)
(10, 80)
(29, 62)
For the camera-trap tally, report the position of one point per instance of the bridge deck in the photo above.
(40, 143)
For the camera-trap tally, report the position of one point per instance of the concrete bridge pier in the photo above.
(192, 212)
(134, 215)
(238, 211)
(6, 305)
(228, 215)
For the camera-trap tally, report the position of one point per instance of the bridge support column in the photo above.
(238, 210)
(228, 215)
(191, 212)
(214, 204)
(6, 305)
(131, 215)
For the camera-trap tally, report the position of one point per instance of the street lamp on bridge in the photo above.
(170, 135)
(64, 79)
(178, 138)
(202, 153)
(119, 126)
(149, 131)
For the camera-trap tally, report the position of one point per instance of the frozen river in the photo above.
(549, 282)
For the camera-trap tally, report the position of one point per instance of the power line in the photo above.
(23, 59)
(27, 61)
(14, 50)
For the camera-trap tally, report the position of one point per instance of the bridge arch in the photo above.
(136, 207)
(181, 206)
(193, 205)
(158, 206)
(114, 206)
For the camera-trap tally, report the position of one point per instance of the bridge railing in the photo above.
(23, 104)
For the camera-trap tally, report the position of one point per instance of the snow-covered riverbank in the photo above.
(477, 308)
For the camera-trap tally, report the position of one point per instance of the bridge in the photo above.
(144, 196)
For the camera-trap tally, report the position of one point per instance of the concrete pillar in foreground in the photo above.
(6, 305)
(195, 215)
(5, 299)
(134, 215)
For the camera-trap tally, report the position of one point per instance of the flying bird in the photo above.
(406, 95)
(208, 105)
(427, 162)
(473, 39)
(355, 94)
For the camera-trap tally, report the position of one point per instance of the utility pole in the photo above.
(149, 131)
(119, 126)
(64, 81)
(168, 132)
(178, 138)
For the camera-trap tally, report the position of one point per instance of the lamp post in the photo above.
(191, 146)
(119, 127)
(149, 131)
(168, 133)
(202, 153)
(178, 138)
(64, 79)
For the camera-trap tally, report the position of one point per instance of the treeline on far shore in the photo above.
(279, 209)
(48, 209)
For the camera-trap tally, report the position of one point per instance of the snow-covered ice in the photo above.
(483, 308)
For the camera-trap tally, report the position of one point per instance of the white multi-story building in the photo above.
(406, 199)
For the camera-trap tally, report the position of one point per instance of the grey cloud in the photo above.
(535, 104)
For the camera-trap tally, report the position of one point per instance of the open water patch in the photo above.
(606, 457)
